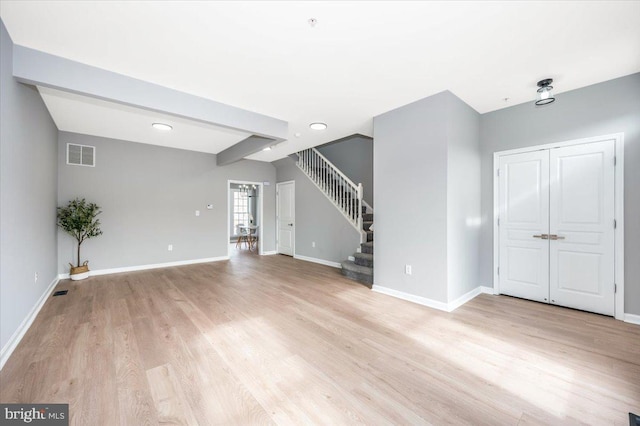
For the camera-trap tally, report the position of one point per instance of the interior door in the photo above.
(582, 227)
(286, 217)
(524, 223)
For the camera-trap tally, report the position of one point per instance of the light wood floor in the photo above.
(270, 339)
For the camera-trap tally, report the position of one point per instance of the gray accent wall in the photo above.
(426, 174)
(28, 170)
(354, 157)
(149, 195)
(605, 108)
(317, 219)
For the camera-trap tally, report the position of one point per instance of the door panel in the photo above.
(286, 217)
(524, 207)
(581, 215)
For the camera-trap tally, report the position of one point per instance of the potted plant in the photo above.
(78, 219)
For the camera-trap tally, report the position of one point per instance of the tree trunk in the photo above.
(79, 253)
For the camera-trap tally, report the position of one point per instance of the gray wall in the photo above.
(317, 219)
(410, 185)
(149, 195)
(354, 157)
(605, 108)
(463, 198)
(27, 196)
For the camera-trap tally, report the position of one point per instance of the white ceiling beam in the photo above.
(243, 149)
(42, 69)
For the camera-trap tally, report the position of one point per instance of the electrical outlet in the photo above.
(313, 244)
(407, 269)
(197, 212)
(36, 277)
(170, 248)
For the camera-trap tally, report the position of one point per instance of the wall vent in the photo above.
(81, 155)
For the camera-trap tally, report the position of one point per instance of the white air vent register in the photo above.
(81, 155)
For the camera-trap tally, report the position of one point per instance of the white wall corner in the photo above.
(17, 336)
(632, 319)
(316, 260)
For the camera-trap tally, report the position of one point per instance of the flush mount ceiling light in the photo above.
(162, 127)
(317, 126)
(544, 92)
(312, 22)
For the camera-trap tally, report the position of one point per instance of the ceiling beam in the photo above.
(243, 149)
(42, 69)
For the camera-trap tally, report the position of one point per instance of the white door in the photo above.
(524, 222)
(582, 219)
(556, 227)
(286, 217)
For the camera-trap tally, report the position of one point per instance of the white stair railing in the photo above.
(335, 185)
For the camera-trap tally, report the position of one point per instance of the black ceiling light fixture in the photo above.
(544, 92)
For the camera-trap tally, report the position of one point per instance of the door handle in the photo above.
(543, 236)
(555, 237)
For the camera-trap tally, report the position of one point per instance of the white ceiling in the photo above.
(360, 60)
(90, 116)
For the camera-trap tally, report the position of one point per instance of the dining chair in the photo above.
(242, 234)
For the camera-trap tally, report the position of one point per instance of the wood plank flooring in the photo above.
(273, 340)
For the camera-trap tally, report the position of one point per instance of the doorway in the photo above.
(559, 225)
(244, 216)
(286, 217)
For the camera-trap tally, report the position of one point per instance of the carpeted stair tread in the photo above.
(367, 247)
(349, 265)
(363, 259)
(367, 217)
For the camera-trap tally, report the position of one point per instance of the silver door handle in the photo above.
(543, 236)
(555, 237)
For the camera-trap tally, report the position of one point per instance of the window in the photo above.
(240, 209)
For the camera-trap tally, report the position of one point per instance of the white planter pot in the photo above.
(78, 277)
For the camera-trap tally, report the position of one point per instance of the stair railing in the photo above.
(345, 194)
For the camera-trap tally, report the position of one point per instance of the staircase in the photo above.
(361, 268)
(347, 197)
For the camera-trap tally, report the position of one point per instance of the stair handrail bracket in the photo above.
(345, 194)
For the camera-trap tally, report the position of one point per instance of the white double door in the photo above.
(556, 226)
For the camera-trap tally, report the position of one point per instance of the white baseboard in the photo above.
(452, 306)
(320, 261)
(17, 336)
(487, 290)
(447, 307)
(411, 298)
(151, 266)
(268, 253)
(632, 318)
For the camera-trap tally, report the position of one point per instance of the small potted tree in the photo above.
(78, 219)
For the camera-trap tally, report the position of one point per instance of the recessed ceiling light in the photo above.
(318, 126)
(297, 135)
(267, 148)
(162, 126)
